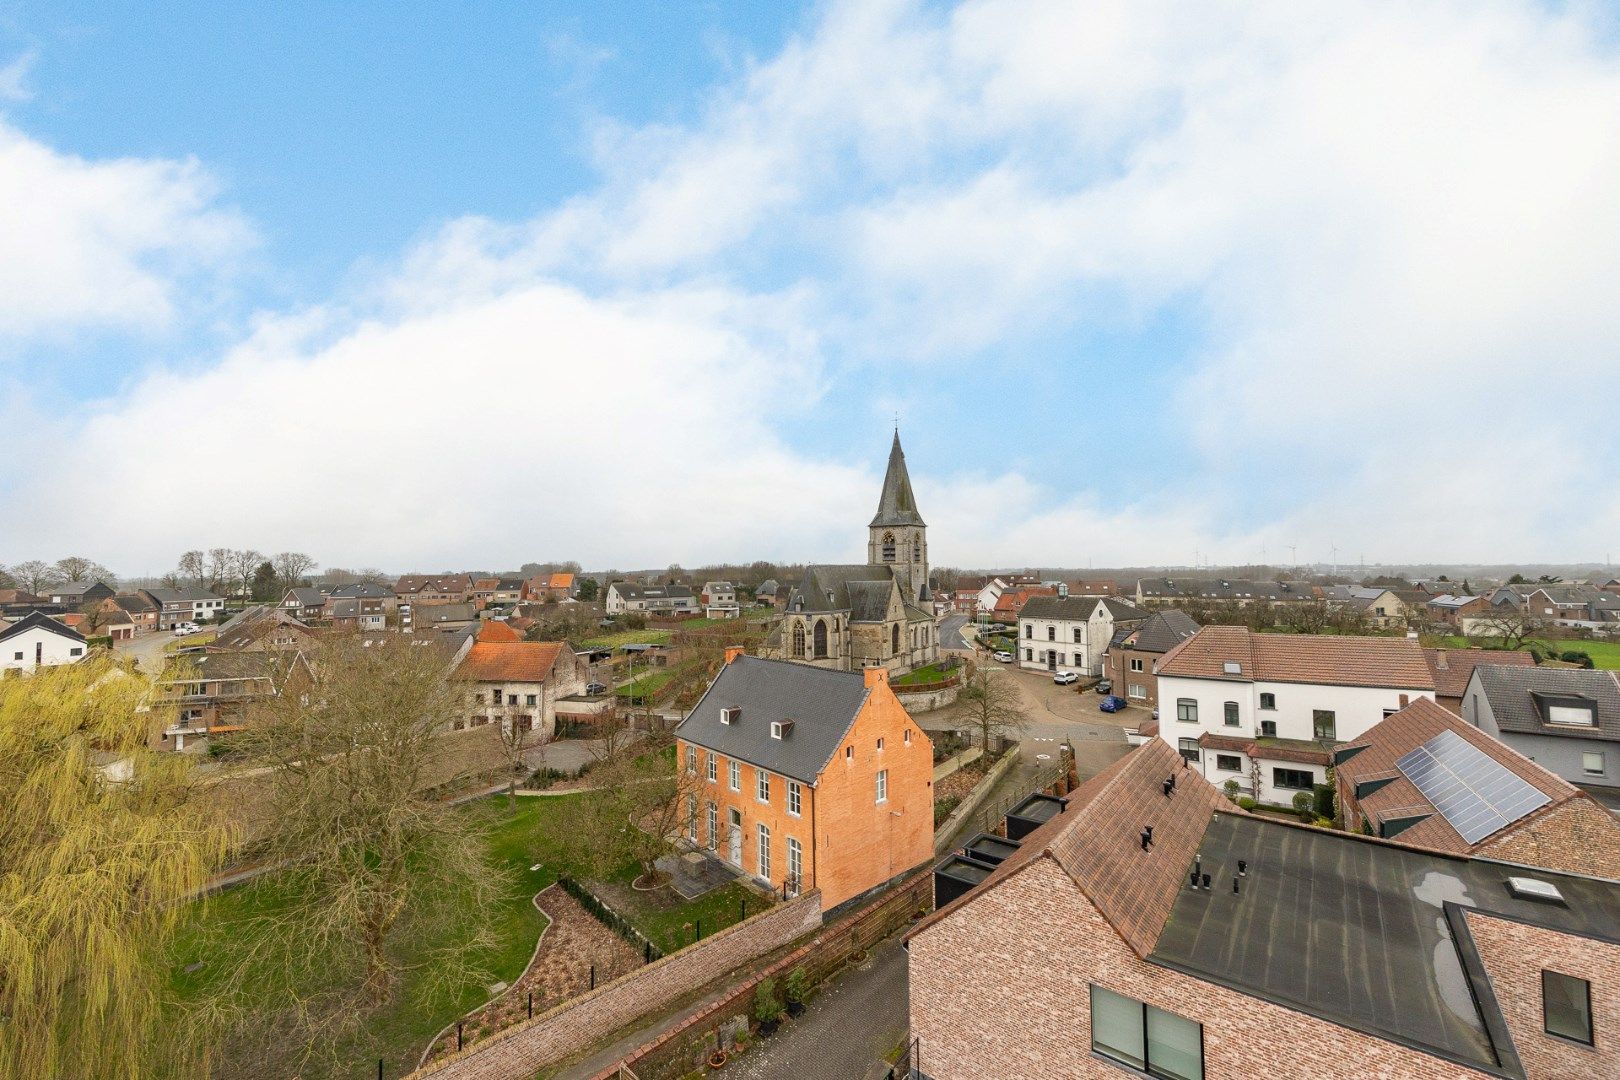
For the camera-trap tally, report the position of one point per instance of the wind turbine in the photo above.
(1334, 548)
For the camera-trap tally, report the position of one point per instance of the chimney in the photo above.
(877, 675)
(1404, 701)
(733, 651)
(1440, 660)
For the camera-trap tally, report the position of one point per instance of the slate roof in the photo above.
(1078, 608)
(1163, 631)
(445, 583)
(39, 619)
(1325, 659)
(434, 614)
(857, 588)
(181, 596)
(133, 602)
(241, 633)
(822, 704)
(307, 597)
(1387, 741)
(1224, 589)
(368, 590)
(1511, 692)
(897, 505)
(73, 588)
(630, 591)
(509, 661)
(1451, 668)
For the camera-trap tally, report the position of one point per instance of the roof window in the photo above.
(1530, 889)
(730, 714)
(1232, 667)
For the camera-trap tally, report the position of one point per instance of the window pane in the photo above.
(1566, 1004)
(1175, 1046)
(1116, 1027)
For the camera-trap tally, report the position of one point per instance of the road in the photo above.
(950, 634)
(147, 649)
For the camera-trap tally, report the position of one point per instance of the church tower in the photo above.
(898, 536)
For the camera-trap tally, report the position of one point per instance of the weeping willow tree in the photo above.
(102, 840)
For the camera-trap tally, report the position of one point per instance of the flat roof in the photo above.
(1038, 807)
(1359, 932)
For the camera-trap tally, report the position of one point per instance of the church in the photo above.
(876, 614)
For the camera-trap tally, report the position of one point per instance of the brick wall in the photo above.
(1579, 837)
(1000, 988)
(1514, 955)
(577, 1025)
(679, 1050)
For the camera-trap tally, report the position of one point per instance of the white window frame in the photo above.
(1586, 758)
(882, 786)
(762, 786)
(762, 851)
(691, 760)
(714, 768)
(795, 799)
(734, 774)
(795, 864)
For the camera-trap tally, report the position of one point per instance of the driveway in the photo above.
(147, 649)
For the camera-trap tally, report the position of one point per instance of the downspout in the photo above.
(815, 867)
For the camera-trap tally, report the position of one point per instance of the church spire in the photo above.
(897, 506)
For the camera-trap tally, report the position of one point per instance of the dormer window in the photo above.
(781, 729)
(1567, 710)
(730, 714)
(1232, 667)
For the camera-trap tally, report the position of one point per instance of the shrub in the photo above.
(1323, 800)
(1305, 805)
(1575, 656)
(767, 1009)
(1247, 803)
(1231, 788)
(943, 808)
(796, 987)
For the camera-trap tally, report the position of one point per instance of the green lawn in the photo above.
(647, 685)
(628, 637)
(1604, 654)
(931, 674)
(535, 835)
(206, 637)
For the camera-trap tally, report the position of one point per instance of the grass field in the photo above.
(533, 836)
(1604, 654)
(931, 674)
(647, 685)
(206, 637)
(628, 637)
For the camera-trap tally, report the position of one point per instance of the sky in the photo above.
(419, 287)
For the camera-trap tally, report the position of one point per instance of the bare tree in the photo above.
(991, 703)
(35, 576)
(520, 732)
(193, 568)
(292, 567)
(79, 568)
(1511, 628)
(220, 562)
(243, 565)
(639, 813)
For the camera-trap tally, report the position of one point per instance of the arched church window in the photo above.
(821, 639)
(888, 547)
(798, 639)
(894, 638)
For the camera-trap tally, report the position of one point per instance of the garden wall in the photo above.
(970, 805)
(917, 701)
(681, 1049)
(575, 1026)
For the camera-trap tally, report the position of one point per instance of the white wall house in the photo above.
(624, 596)
(1266, 710)
(1070, 633)
(37, 641)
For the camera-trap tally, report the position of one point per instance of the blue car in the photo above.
(1111, 703)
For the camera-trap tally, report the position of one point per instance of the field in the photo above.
(1604, 654)
(931, 674)
(629, 637)
(533, 836)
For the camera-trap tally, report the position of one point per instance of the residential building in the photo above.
(1451, 610)
(211, 692)
(184, 605)
(1089, 588)
(433, 589)
(720, 600)
(1151, 928)
(1404, 777)
(306, 604)
(1266, 710)
(770, 593)
(362, 590)
(358, 613)
(436, 616)
(513, 682)
(37, 640)
(1011, 602)
(264, 629)
(1567, 720)
(1162, 591)
(543, 588)
(807, 778)
(19, 598)
(1452, 669)
(76, 594)
(623, 596)
(139, 610)
(1071, 632)
(1582, 606)
(1136, 648)
(1382, 608)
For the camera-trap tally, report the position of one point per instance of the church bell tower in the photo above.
(898, 536)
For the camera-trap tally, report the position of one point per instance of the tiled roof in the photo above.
(1079, 608)
(1452, 667)
(494, 630)
(1511, 690)
(1325, 659)
(509, 661)
(1397, 734)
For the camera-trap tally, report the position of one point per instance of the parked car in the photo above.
(1064, 678)
(184, 628)
(1004, 657)
(1105, 687)
(594, 688)
(1111, 703)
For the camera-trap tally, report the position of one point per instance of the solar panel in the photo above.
(1477, 794)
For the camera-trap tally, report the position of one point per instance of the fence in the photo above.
(611, 919)
(908, 1066)
(990, 816)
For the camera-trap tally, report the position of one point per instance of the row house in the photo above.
(307, 604)
(807, 778)
(362, 590)
(1403, 776)
(184, 605)
(1071, 632)
(549, 588)
(1242, 593)
(433, 589)
(1011, 602)
(37, 640)
(1152, 928)
(1452, 668)
(1266, 710)
(356, 613)
(1136, 648)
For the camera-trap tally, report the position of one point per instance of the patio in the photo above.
(693, 873)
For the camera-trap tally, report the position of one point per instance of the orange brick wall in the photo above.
(1000, 988)
(774, 815)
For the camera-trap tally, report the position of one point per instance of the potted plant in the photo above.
(795, 988)
(767, 1009)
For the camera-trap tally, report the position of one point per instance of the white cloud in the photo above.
(14, 76)
(103, 243)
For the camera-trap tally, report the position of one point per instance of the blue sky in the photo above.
(378, 283)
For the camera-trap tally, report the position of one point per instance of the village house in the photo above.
(1567, 720)
(1170, 591)
(1266, 710)
(1152, 928)
(1071, 632)
(807, 778)
(720, 600)
(139, 612)
(1452, 669)
(184, 605)
(1451, 610)
(362, 590)
(1137, 646)
(623, 596)
(423, 618)
(549, 588)
(1010, 603)
(355, 613)
(264, 629)
(1403, 778)
(77, 594)
(37, 640)
(419, 589)
(305, 603)
(516, 683)
(210, 692)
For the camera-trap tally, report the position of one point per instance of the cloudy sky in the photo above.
(649, 283)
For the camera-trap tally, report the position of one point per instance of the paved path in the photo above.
(950, 634)
(846, 1030)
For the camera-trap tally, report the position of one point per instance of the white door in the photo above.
(736, 838)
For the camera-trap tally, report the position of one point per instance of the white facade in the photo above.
(1066, 644)
(1190, 708)
(990, 594)
(39, 646)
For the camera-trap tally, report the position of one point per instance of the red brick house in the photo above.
(808, 778)
(1153, 928)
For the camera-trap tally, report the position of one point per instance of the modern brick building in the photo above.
(808, 778)
(1153, 928)
(1137, 647)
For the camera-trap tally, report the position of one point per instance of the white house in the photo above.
(625, 596)
(1071, 632)
(1266, 710)
(720, 600)
(184, 605)
(37, 641)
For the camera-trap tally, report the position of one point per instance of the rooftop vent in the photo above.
(1530, 889)
(1169, 784)
(1232, 667)
(1147, 837)
(730, 714)
(781, 729)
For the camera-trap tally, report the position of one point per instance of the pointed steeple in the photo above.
(897, 506)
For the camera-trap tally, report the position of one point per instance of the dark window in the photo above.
(798, 639)
(1189, 750)
(821, 638)
(888, 547)
(531, 699)
(1566, 1006)
(1029, 630)
(1294, 779)
(1231, 714)
(1051, 633)
(1268, 701)
(1144, 1037)
(1322, 723)
(1186, 710)
(1228, 763)
(894, 638)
